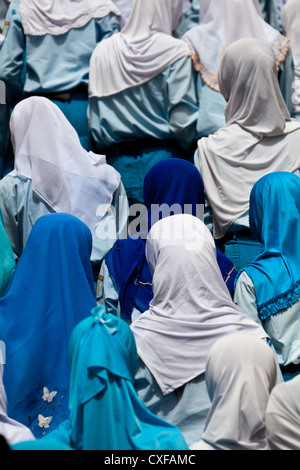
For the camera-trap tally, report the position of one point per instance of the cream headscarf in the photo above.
(191, 306)
(230, 160)
(40, 17)
(143, 49)
(222, 23)
(240, 375)
(47, 150)
(283, 416)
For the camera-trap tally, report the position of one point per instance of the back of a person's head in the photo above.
(248, 80)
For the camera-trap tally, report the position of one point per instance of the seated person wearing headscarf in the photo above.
(105, 410)
(143, 106)
(191, 309)
(53, 173)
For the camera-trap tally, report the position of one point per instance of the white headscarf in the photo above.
(191, 306)
(12, 430)
(222, 24)
(47, 150)
(40, 17)
(230, 160)
(290, 19)
(143, 49)
(240, 375)
(283, 416)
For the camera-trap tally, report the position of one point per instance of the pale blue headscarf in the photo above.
(275, 221)
(105, 410)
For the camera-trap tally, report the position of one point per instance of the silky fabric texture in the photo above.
(240, 375)
(259, 136)
(7, 259)
(40, 17)
(142, 50)
(12, 430)
(191, 306)
(220, 26)
(274, 216)
(105, 411)
(50, 292)
(290, 19)
(283, 416)
(64, 175)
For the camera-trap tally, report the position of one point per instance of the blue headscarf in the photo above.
(274, 215)
(105, 410)
(50, 292)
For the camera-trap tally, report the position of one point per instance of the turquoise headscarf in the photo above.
(275, 221)
(105, 410)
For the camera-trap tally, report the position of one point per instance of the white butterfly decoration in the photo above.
(44, 422)
(48, 396)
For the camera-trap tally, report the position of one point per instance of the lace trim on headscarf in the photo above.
(210, 77)
(280, 302)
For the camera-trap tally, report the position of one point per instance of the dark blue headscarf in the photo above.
(50, 292)
(274, 214)
(171, 183)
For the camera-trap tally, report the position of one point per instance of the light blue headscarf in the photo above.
(7, 259)
(275, 221)
(50, 292)
(105, 410)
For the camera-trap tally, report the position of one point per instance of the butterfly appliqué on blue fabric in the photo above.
(44, 421)
(48, 396)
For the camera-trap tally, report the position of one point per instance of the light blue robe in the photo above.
(211, 106)
(163, 109)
